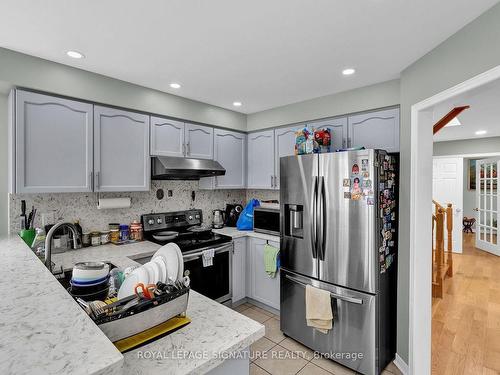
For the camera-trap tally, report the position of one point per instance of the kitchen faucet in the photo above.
(48, 241)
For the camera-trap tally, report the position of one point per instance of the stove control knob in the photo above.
(197, 216)
(151, 221)
(159, 220)
(190, 217)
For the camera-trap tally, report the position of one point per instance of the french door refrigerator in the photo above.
(339, 233)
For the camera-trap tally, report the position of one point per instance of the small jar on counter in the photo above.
(124, 233)
(105, 237)
(86, 239)
(136, 231)
(114, 235)
(95, 238)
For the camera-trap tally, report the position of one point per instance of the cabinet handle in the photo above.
(272, 181)
(344, 143)
(188, 149)
(97, 180)
(184, 149)
(349, 142)
(275, 181)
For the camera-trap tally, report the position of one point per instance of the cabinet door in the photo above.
(239, 269)
(121, 150)
(261, 160)
(338, 131)
(167, 137)
(264, 288)
(375, 130)
(199, 142)
(53, 139)
(230, 150)
(284, 145)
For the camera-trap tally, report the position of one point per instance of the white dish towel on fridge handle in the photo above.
(208, 257)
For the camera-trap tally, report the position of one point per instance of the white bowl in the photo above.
(90, 271)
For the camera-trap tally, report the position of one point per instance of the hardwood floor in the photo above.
(466, 321)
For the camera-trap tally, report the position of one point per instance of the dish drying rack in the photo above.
(145, 315)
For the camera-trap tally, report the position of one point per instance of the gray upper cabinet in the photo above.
(338, 131)
(375, 130)
(284, 145)
(199, 141)
(121, 150)
(167, 137)
(261, 160)
(53, 144)
(230, 150)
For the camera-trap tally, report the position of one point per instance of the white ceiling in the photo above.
(264, 53)
(483, 114)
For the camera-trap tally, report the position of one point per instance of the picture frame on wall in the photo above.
(471, 180)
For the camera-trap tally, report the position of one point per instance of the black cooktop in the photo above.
(181, 221)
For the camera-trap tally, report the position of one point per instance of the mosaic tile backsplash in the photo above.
(83, 206)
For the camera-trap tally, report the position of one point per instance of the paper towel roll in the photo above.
(108, 203)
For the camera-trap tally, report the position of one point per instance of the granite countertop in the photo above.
(45, 331)
(233, 232)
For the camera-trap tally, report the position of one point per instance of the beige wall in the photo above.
(380, 95)
(471, 51)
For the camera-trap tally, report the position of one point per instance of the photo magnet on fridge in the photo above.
(347, 182)
(364, 165)
(370, 201)
(347, 195)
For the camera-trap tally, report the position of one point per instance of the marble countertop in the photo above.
(65, 340)
(233, 232)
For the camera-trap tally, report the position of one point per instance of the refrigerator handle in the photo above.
(322, 219)
(357, 301)
(314, 217)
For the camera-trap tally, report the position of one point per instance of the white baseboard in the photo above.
(401, 365)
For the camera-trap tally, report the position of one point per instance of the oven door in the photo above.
(213, 281)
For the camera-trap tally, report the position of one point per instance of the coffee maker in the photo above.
(233, 212)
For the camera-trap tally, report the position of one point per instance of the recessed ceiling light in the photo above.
(454, 122)
(75, 54)
(175, 85)
(348, 72)
(481, 132)
(237, 104)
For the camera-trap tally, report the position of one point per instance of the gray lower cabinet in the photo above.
(239, 269)
(53, 140)
(378, 129)
(121, 150)
(261, 160)
(261, 287)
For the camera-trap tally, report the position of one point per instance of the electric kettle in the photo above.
(218, 219)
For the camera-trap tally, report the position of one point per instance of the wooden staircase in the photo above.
(442, 261)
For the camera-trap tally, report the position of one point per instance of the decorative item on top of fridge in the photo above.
(316, 141)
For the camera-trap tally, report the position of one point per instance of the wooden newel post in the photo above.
(439, 242)
(449, 227)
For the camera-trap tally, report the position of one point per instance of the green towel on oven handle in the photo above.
(271, 260)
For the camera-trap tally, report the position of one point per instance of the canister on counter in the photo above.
(114, 235)
(86, 239)
(105, 237)
(136, 233)
(95, 238)
(124, 232)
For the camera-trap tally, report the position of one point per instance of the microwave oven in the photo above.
(266, 220)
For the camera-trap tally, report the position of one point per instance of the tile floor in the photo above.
(293, 358)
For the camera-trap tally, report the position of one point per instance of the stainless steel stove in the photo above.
(185, 229)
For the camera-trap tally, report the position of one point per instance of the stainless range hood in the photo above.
(172, 168)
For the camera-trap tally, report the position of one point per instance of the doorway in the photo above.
(421, 212)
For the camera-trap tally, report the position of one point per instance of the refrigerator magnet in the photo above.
(366, 174)
(355, 169)
(386, 251)
(347, 195)
(370, 201)
(364, 165)
(367, 183)
(347, 182)
(356, 190)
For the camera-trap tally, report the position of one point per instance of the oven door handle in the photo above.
(217, 250)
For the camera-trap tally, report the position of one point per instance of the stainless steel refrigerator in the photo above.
(339, 233)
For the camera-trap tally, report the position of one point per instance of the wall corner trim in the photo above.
(401, 365)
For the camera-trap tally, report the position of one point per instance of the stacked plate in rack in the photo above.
(165, 266)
